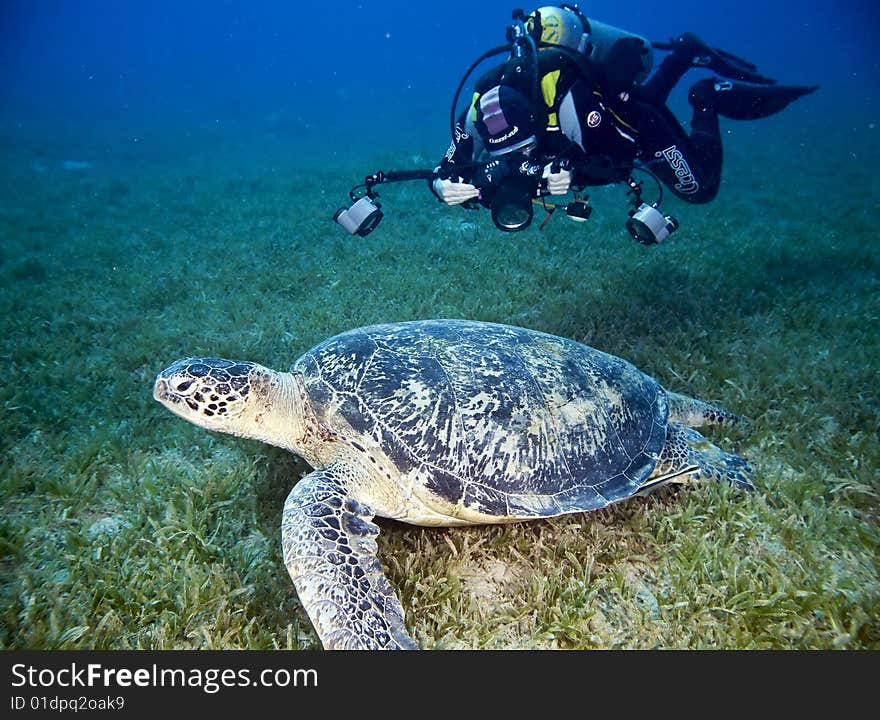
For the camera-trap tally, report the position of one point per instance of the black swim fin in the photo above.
(720, 61)
(744, 102)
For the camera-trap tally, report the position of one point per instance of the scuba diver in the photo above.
(580, 110)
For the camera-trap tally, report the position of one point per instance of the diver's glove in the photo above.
(454, 192)
(558, 179)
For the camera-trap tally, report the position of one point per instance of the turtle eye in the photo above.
(184, 386)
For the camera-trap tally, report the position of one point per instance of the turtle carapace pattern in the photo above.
(442, 422)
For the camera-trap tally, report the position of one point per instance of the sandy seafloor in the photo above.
(123, 249)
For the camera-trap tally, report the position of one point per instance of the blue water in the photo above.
(376, 74)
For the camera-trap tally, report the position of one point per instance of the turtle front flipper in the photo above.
(688, 456)
(329, 548)
(690, 412)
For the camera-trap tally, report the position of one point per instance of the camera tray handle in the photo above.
(379, 177)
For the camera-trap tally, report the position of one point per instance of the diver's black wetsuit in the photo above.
(689, 165)
(647, 131)
(603, 131)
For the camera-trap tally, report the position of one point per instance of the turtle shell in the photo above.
(500, 420)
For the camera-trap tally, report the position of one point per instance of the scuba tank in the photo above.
(622, 59)
(625, 58)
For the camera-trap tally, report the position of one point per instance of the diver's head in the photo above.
(563, 25)
(505, 121)
(509, 180)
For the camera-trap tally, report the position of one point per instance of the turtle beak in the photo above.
(160, 389)
(163, 392)
(165, 389)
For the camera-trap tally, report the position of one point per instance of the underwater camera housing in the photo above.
(507, 186)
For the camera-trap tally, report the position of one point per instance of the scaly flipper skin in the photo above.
(329, 548)
(691, 412)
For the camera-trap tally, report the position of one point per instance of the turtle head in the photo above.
(233, 396)
(206, 391)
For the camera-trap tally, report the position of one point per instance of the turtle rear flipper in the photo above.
(329, 549)
(688, 455)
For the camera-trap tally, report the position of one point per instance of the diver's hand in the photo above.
(558, 181)
(454, 192)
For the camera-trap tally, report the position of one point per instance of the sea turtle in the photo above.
(442, 422)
